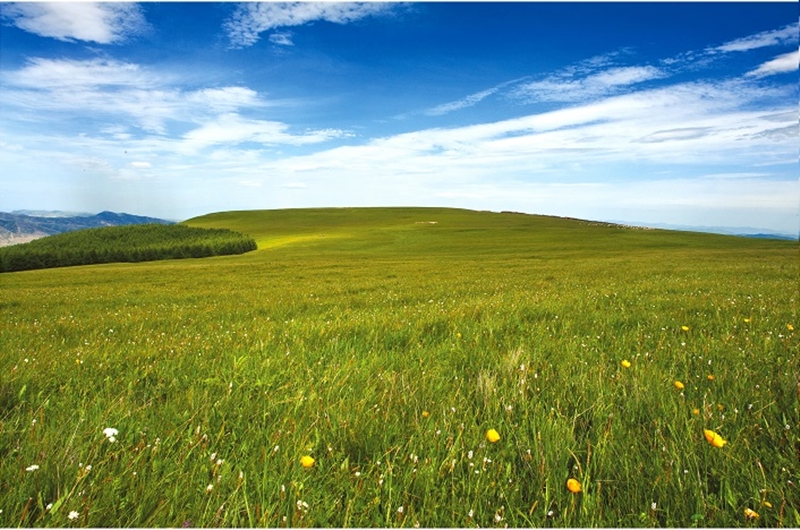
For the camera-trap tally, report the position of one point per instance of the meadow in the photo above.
(441, 368)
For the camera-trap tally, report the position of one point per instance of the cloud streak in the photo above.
(788, 62)
(233, 129)
(785, 35)
(572, 86)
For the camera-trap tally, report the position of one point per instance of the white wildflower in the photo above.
(34, 467)
(111, 434)
(73, 515)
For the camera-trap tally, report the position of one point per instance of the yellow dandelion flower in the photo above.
(574, 486)
(492, 435)
(790, 327)
(713, 438)
(625, 363)
(425, 413)
(307, 461)
(695, 411)
(685, 328)
(750, 514)
(746, 320)
(678, 385)
(710, 377)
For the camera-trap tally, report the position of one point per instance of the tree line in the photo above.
(130, 243)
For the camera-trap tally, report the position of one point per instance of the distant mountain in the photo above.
(21, 228)
(741, 231)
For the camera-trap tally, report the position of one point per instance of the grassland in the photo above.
(384, 343)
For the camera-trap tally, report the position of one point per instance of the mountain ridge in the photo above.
(18, 228)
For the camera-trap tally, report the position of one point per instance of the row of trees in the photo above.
(129, 243)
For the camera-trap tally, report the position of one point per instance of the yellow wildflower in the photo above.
(678, 385)
(492, 435)
(574, 486)
(625, 363)
(713, 438)
(710, 377)
(746, 320)
(695, 411)
(750, 514)
(790, 327)
(767, 504)
(425, 413)
(685, 328)
(307, 461)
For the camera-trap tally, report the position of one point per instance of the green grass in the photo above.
(384, 343)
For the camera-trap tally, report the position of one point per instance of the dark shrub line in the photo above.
(132, 243)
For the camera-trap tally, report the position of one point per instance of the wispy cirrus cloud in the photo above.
(250, 20)
(231, 129)
(121, 91)
(788, 62)
(782, 36)
(282, 38)
(468, 101)
(571, 86)
(102, 23)
(48, 74)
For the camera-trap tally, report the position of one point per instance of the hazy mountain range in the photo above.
(741, 231)
(22, 226)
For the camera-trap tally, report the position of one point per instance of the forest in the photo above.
(132, 243)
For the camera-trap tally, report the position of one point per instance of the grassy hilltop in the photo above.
(384, 344)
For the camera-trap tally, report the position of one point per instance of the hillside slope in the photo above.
(446, 231)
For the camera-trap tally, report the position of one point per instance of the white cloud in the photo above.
(233, 129)
(785, 35)
(468, 101)
(572, 85)
(788, 62)
(103, 23)
(282, 39)
(252, 19)
(226, 99)
(73, 74)
(114, 88)
(688, 124)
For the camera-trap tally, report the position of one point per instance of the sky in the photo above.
(678, 113)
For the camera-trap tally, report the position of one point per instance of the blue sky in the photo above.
(682, 113)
